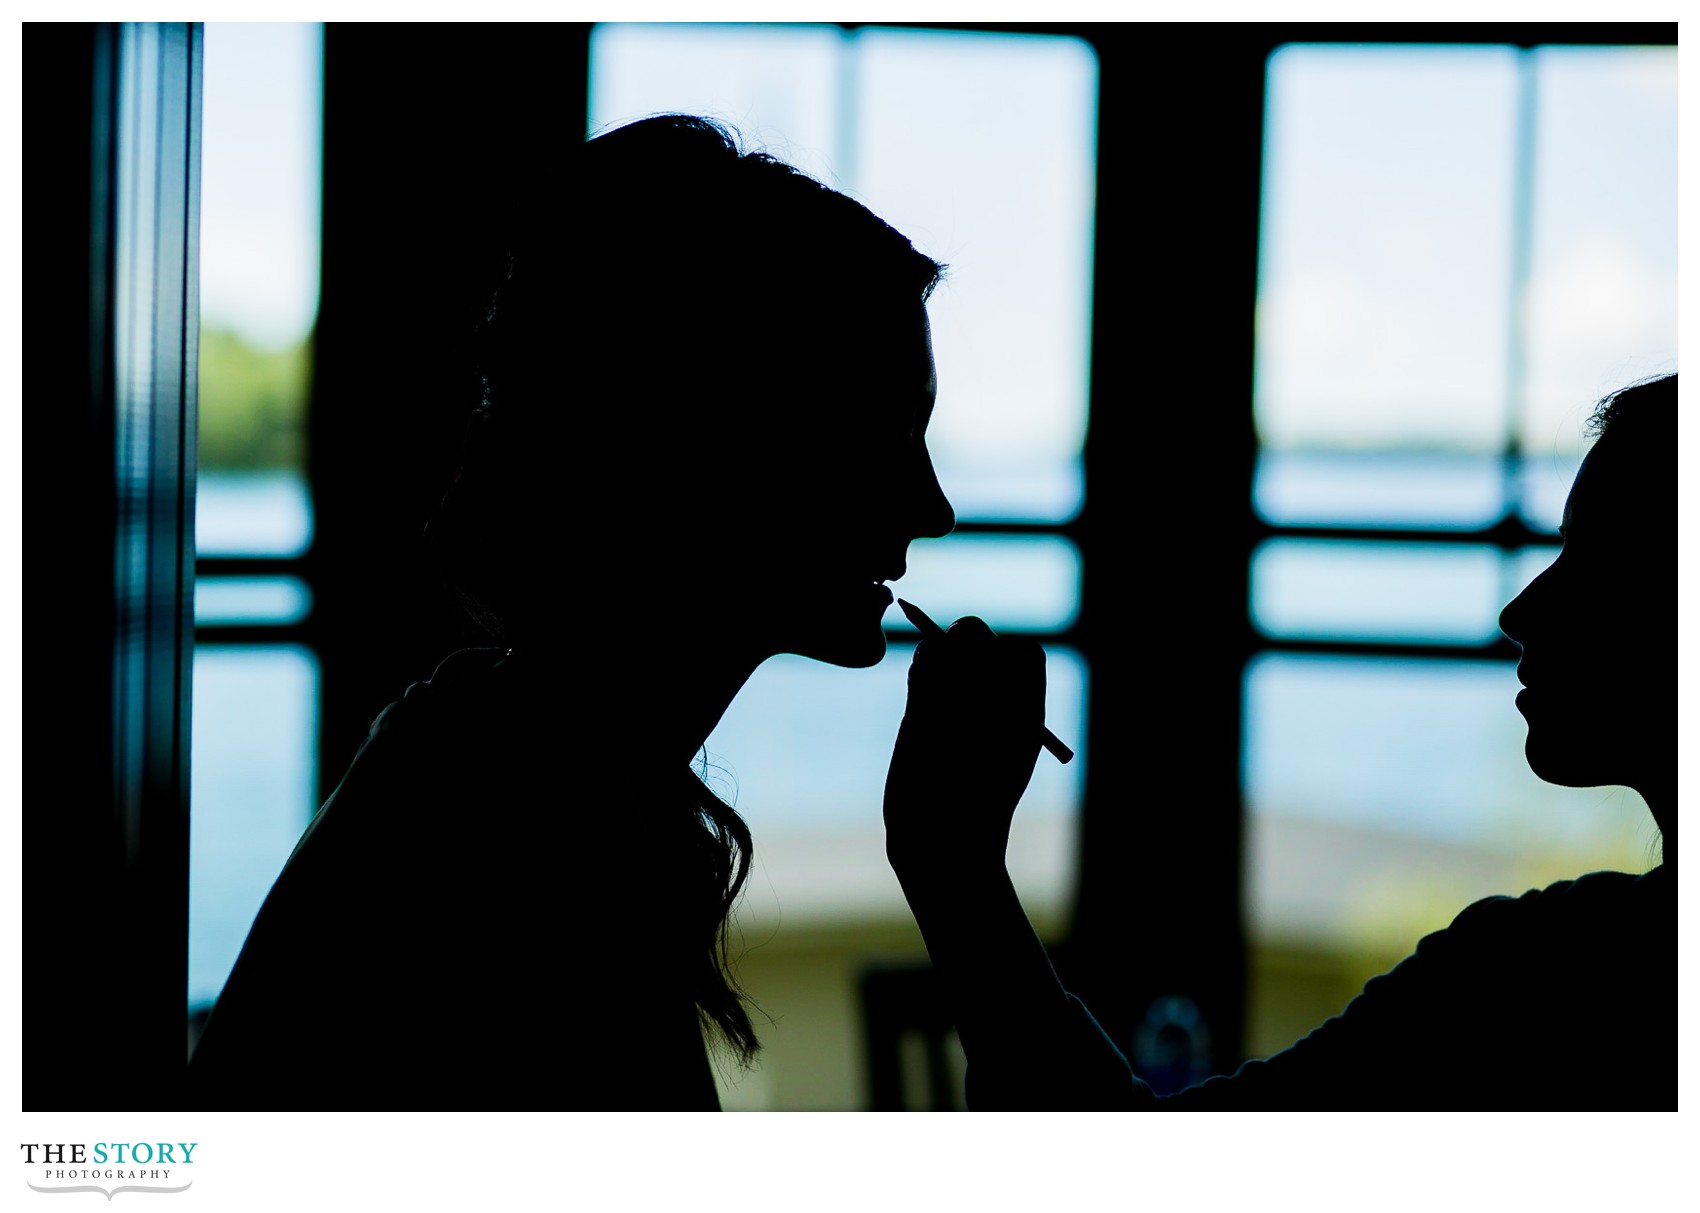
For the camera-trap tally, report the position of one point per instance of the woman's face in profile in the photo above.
(1598, 633)
(848, 484)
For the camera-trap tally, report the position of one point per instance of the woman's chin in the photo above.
(850, 652)
(1568, 762)
(1573, 747)
(842, 629)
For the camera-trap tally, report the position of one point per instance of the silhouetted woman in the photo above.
(708, 383)
(1564, 997)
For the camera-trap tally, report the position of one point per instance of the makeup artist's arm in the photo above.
(1460, 1022)
(963, 758)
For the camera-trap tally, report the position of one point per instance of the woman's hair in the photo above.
(1646, 405)
(674, 296)
(675, 299)
(721, 848)
(1639, 423)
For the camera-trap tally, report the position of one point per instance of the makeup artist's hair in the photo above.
(1646, 406)
(675, 295)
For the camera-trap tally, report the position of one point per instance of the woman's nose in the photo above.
(1514, 618)
(931, 515)
(1509, 618)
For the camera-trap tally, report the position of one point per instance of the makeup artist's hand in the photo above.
(964, 752)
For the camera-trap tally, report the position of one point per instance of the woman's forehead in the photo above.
(888, 341)
(1624, 488)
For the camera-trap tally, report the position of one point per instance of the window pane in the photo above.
(803, 752)
(251, 600)
(1384, 796)
(257, 513)
(260, 179)
(1049, 490)
(1528, 564)
(252, 792)
(1028, 583)
(1384, 286)
(1379, 488)
(1387, 591)
(259, 284)
(939, 114)
(777, 84)
(1545, 484)
(1602, 295)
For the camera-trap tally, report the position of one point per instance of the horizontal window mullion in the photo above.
(302, 633)
(1507, 533)
(252, 566)
(1496, 650)
(983, 527)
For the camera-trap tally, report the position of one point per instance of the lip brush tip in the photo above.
(927, 627)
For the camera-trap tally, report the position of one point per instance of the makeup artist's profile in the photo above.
(1499, 1010)
(701, 444)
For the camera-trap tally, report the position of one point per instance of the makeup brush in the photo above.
(927, 627)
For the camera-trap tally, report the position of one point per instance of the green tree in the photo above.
(253, 404)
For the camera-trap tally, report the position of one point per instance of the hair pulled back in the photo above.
(663, 307)
(653, 312)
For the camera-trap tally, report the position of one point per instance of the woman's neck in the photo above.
(669, 696)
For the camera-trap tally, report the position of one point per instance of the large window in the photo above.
(1463, 248)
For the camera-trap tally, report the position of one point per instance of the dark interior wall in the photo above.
(60, 262)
